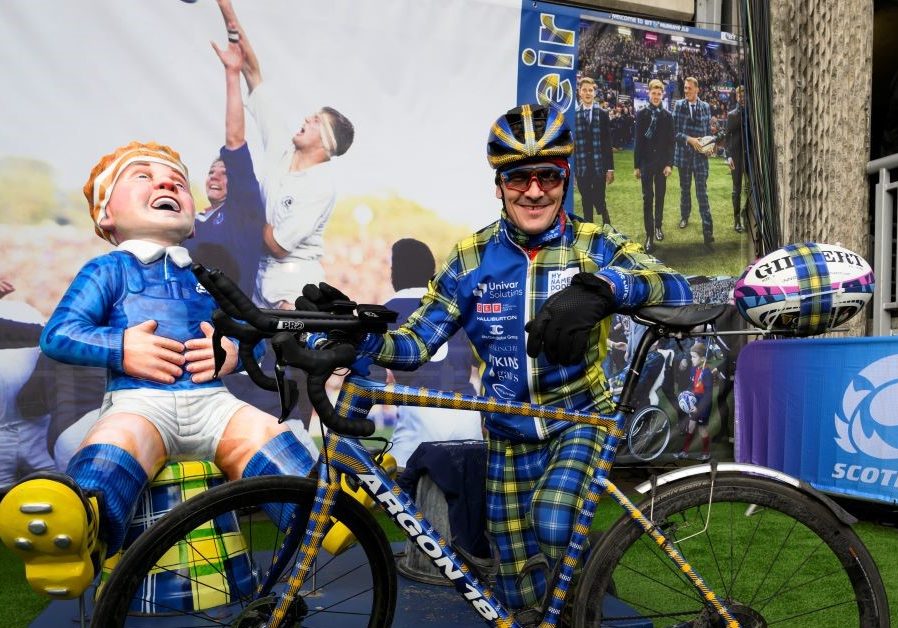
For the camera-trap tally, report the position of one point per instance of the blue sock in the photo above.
(118, 478)
(282, 455)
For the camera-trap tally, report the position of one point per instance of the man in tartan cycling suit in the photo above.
(535, 262)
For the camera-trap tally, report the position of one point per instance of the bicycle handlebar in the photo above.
(282, 327)
(240, 318)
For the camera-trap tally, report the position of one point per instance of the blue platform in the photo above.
(417, 605)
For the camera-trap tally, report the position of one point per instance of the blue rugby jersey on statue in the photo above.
(494, 282)
(116, 291)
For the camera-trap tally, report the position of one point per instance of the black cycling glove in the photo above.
(561, 328)
(323, 298)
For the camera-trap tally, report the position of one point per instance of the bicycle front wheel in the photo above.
(771, 553)
(649, 433)
(201, 565)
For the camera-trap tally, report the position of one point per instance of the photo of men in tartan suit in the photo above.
(692, 121)
(593, 157)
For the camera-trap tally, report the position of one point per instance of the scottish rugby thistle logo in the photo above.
(868, 420)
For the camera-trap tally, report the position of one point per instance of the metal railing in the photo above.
(885, 298)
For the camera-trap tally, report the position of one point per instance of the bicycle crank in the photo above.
(258, 612)
(745, 615)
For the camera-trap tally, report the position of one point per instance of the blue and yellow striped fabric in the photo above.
(816, 299)
(208, 568)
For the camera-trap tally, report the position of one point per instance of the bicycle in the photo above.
(728, 520)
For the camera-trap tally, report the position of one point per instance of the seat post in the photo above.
(635, 368)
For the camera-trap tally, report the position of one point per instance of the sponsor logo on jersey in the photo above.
(489, 308)
(504, 348)
(502, 376)
(505, 361)
(496, 319)
(560, 279)
(498, 289)
(502, 391)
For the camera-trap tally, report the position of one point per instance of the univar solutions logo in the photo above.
(867, 422)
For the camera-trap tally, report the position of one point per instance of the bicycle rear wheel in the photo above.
(649, 433)
(219, 578)
(773, 554)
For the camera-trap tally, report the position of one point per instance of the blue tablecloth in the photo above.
(824, 410)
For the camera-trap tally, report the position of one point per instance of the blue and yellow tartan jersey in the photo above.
(495, 281)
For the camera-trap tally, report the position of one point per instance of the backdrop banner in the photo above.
(560, 46)
(420, 80)
(822, 410)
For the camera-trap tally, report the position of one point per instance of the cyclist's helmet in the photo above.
(528, 133)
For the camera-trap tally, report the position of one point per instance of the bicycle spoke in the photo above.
(327, 609)
(783, 591)
(689, 593)
(359, 584)
(821, 609)
(773, 561)
(748, 547)
(163, 609)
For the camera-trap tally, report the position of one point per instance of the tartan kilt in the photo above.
(207, 569)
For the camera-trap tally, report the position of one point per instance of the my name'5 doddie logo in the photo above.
(868, 424)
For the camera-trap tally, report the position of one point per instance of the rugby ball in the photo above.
(708, 144)
(804, 289)
(687, 401)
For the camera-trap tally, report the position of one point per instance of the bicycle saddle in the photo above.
(681, 317)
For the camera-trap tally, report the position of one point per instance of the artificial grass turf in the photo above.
(22, 605)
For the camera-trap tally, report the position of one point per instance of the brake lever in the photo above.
(218, 351)
(288, 392)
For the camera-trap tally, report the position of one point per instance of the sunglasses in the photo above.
(546, 177)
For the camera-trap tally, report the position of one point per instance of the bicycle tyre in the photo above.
(649, 433)
(791, 563)
(326, 603)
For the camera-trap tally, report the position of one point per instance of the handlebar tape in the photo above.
(232, 300)
(319, 364)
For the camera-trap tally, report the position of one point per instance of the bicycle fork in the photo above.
(319, 522)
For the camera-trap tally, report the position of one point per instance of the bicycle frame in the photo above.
(341, 454)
